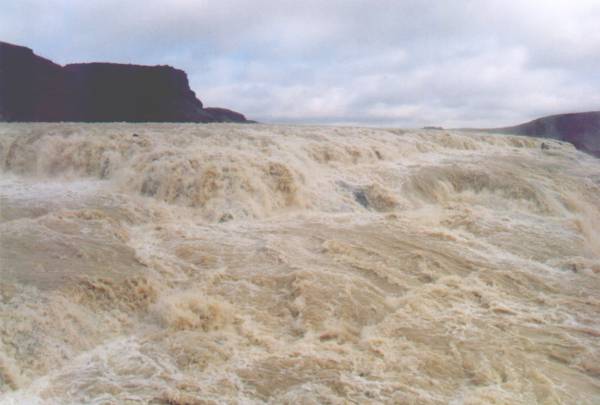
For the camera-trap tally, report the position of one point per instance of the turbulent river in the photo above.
(205, 264)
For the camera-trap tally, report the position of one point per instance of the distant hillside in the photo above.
(36, 89)
(580, 129)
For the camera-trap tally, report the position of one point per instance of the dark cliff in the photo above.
(35, 89)
(580, 129)
(31, 88)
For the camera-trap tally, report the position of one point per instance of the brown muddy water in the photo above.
(205, 264)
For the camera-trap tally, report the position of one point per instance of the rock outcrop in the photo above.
(225, 115)
(31, 88)
(35, 89)
(580, 129)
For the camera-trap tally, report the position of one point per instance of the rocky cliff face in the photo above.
(580, 129)
(31, 88)
(35, 89)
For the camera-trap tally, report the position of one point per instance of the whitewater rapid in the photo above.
(201, 264)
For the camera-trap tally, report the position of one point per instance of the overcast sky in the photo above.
(380, 62)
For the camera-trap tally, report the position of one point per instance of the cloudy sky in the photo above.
(380, 62)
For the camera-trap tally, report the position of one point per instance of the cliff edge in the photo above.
(36, 89)
(580, 129)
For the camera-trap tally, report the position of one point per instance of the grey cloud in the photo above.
(406, 63)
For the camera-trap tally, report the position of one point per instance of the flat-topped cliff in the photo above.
(36, 89)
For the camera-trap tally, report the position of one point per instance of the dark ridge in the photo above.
(225, 115)
(36, 89)
(580, 129)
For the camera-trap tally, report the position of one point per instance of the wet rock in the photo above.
(225, 217)
(361, 197)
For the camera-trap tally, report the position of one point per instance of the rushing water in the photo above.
(200, 264)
